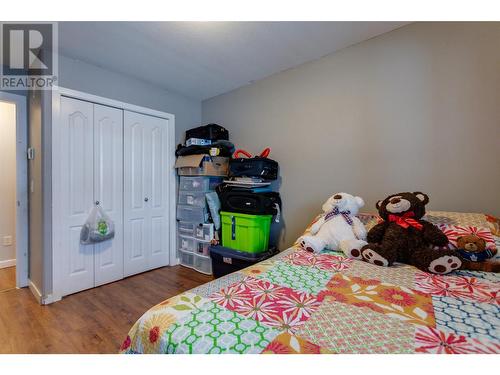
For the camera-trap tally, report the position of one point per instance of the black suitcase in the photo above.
(254, 167)
(246, 202)
(212, 132)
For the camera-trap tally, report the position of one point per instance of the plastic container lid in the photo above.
(227, 252)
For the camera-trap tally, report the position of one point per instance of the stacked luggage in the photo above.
(248, 207)
(202, 164)
(237, 212)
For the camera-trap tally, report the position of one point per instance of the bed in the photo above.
(299, 302)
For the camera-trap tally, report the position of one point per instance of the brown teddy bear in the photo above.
(474, 254)
(404, 237)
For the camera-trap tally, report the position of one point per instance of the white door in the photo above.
(146, 226)
(108, 189)
(76, 149)
(158, 194)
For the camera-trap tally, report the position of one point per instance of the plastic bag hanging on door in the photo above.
(98, 227)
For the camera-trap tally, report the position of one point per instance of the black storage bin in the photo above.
(226, 260)
(254, 167)
(212, 132)
(247, 202)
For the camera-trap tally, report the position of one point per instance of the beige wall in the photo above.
(414, 109)
(8, 179)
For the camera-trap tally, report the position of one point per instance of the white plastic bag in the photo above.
(98, 227)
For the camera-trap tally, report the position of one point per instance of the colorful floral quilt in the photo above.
(299, 302)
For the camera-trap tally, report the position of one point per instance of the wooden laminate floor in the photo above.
(7, 278)
(92, 321)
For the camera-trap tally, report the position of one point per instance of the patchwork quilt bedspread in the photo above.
(299, 302)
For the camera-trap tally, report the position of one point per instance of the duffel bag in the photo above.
(247, 202)
(264, 168)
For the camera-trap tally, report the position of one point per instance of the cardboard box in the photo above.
(202, 165)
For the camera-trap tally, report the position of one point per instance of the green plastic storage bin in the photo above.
(244, 232)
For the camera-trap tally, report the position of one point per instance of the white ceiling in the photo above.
(204, 59)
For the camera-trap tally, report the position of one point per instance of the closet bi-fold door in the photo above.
(108, 189)
(146, 225)
(77, 178)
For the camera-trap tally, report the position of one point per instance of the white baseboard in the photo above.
(7, 263)
(175, 262)
(47, 300)
(35, 291)
(50, 299)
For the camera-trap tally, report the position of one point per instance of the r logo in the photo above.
(27, 49)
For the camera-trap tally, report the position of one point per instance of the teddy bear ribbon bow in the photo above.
(336, 211)
(406, 221)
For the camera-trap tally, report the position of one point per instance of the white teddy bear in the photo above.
(338, 228)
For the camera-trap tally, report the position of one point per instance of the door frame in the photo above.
(22, 198)
(57, 92)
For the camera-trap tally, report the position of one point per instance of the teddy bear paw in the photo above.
(371, 256)
(355, 254)
(306, 246)
(445, 264)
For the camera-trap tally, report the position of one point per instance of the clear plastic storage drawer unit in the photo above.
(192, 198)
(192, 245)
(204, 232)
(188, 244)
(187, 259)
(199, 183)
(186, 228)
(202, 248)
(200, 263)
(203, 264)
(192, 213)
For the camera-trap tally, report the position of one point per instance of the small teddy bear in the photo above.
(338, 228)
(473, 248)
(474, 254)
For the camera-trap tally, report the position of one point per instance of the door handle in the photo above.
(233, 228)
(146, 199)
